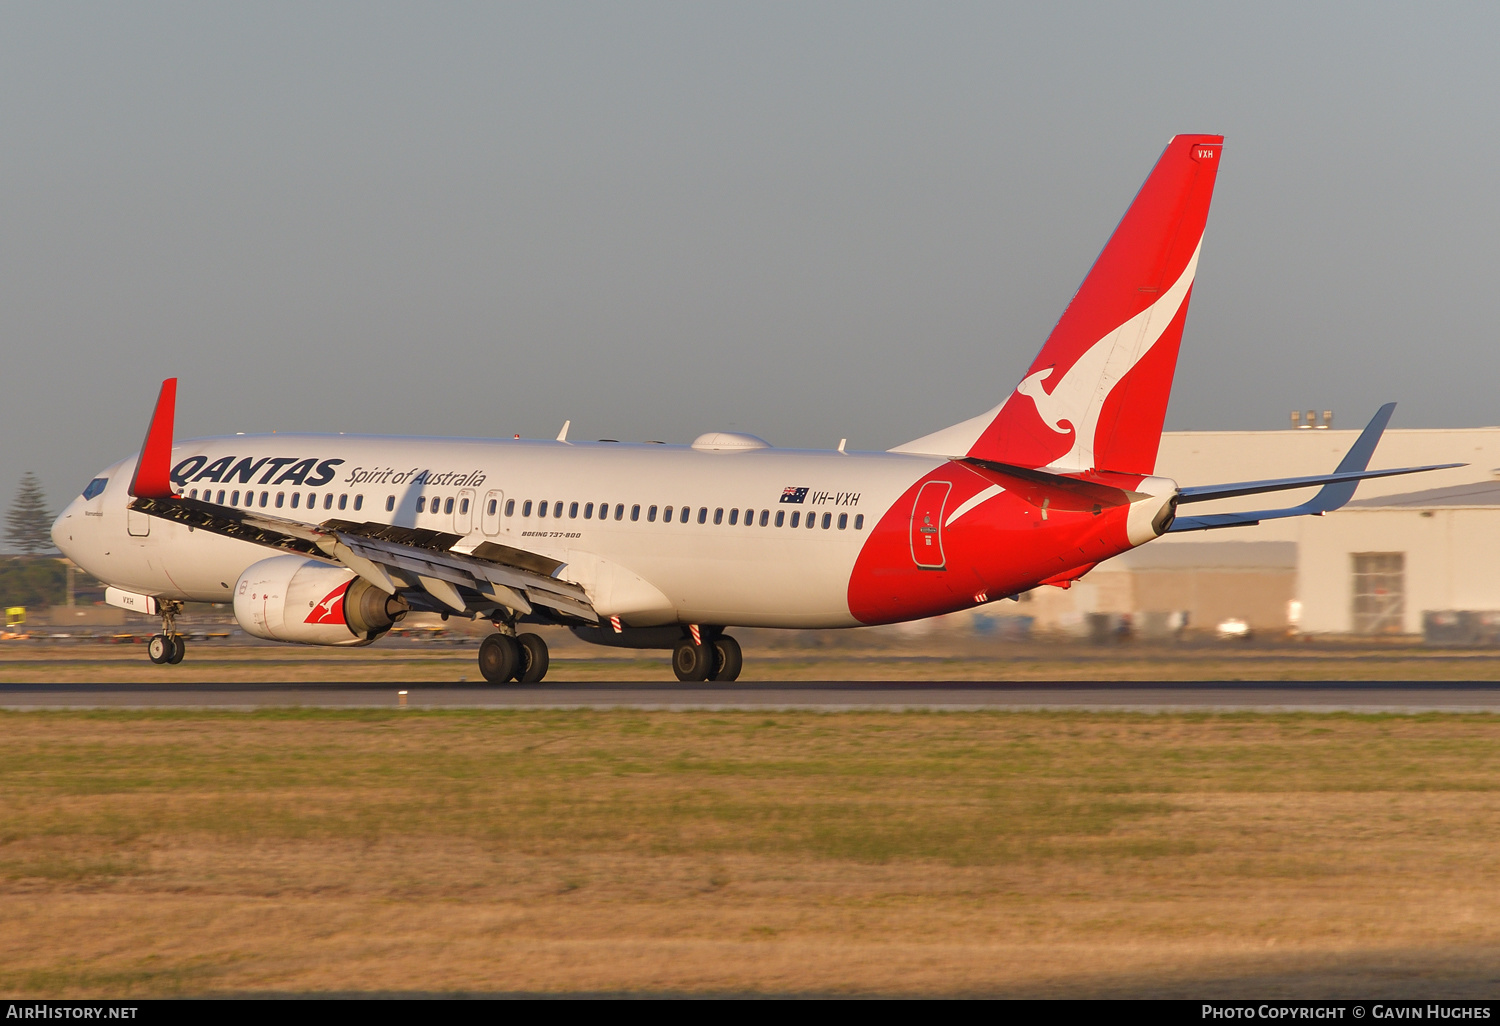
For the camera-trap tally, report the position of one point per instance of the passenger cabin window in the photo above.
(421, 503)
(812, 521)
(448, 505)
(620, 511)
(96, 487)
(264, 497)
(719, 515)
(827, 520)
(295, 496)
(702, 514)
(359, 500)
(557, 509)
(328, 501)
(390, 503)
(843, 521)
(765, 515)
(781, 517)
(796, 516)
(734, 517)
(489, 509)
(859, 521)
(510, 507)
(234, 498)
(650, 515)
(541, 508)
(344, 502)
(573, 511)
(588, 512)
(685, 512)
(526, 508)
(635, 512)
(666, 514)
(280, 498)
(463, 505)
(220, 499)
(193, 494)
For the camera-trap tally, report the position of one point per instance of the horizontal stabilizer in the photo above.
(1038, 487)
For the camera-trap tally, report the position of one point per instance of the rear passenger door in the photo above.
(927, 525)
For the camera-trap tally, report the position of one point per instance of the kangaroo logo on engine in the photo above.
(331, 609)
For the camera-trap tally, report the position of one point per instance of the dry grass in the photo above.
(770, 656)
(1021, 853)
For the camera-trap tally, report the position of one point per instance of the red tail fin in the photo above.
(153, 471)
(1096, 395)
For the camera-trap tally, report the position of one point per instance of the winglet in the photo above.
(153, 471)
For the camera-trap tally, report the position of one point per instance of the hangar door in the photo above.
(1379, 592)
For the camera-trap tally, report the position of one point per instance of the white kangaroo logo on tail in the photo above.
(1078, 398)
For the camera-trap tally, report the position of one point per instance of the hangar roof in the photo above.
(1479, 493)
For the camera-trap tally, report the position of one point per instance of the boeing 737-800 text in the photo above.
(332, 539)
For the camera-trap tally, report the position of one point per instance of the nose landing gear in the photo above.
(168, 647)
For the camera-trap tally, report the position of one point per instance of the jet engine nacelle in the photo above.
(291, 598)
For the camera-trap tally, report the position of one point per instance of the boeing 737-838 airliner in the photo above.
(332, 539)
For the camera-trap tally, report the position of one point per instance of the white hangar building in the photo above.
(1406, 552)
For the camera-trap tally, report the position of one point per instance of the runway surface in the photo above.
(1167, 696)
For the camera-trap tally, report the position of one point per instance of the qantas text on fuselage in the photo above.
(332, 539)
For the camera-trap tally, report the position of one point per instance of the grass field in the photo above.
(1004, 853)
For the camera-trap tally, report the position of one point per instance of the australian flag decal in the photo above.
(796, 495)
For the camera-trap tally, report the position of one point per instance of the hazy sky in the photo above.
(805, 220)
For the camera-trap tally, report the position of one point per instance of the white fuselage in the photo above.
(713, 568)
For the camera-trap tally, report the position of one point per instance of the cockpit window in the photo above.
(95, 487)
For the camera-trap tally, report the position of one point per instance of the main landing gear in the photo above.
(712, 657)
(168, 647)
(521, 658)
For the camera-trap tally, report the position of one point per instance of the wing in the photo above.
(1337, 488)
(393, 559)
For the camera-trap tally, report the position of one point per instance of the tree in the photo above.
(28, 525)
(33, 582)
